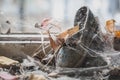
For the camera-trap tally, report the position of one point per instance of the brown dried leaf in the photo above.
(62, 36)
(117, 34)
(69, 32)
(110, 25)
(4, 61)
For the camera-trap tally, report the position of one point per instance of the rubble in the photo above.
(81, 53)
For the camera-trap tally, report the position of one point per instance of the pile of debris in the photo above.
(77, 52)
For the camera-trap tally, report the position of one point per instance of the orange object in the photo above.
(69, 32)
(62, 36)
(117, 34)
(110, 25)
